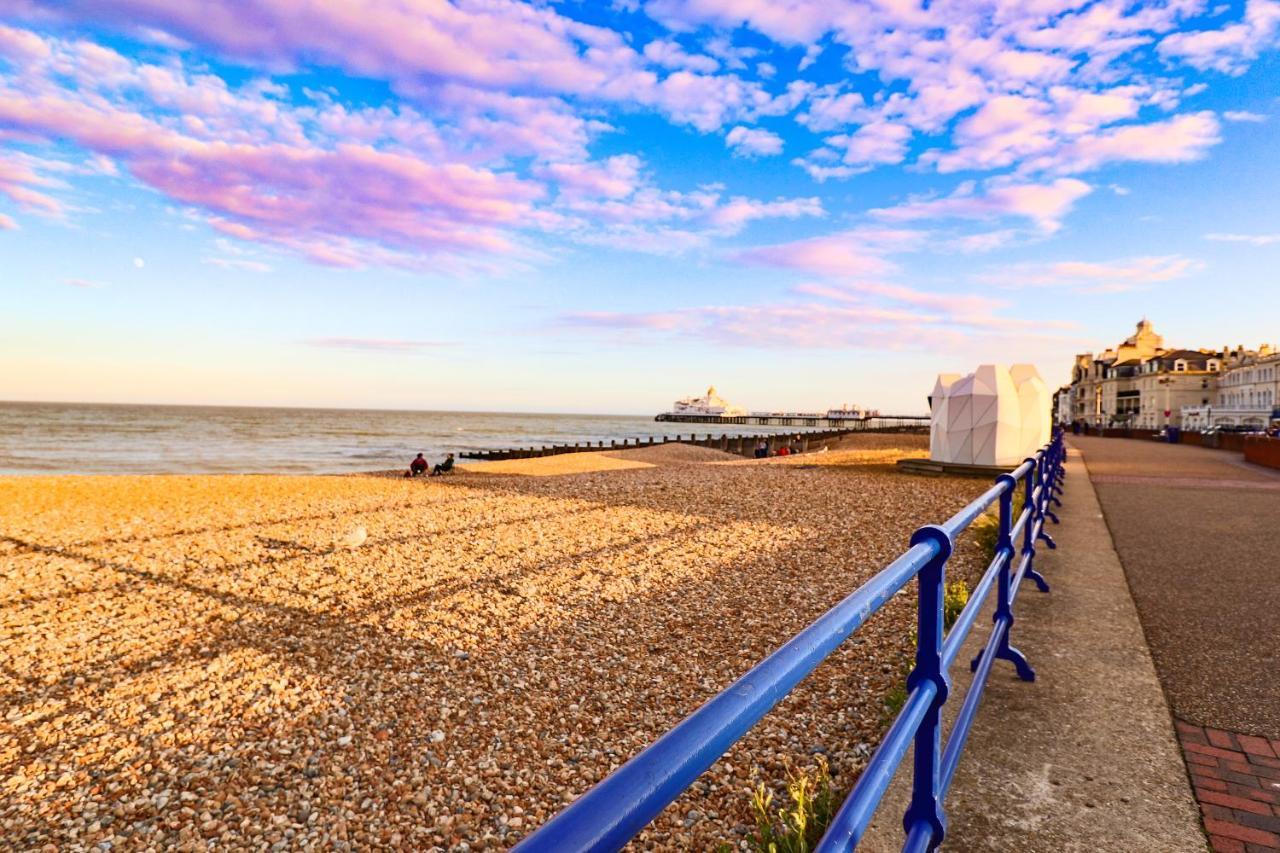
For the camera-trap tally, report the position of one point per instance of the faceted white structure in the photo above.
(992, 417)
(1036, 404)
(939, 447)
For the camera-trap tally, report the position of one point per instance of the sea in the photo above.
(92, 438)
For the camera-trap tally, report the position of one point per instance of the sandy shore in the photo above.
(324, 661)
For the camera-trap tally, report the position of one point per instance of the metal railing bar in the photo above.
(964, 622)
(851, 822)
(608, 815)
(956, 524)
(969, 709)
(1016, 533)
(917, 839)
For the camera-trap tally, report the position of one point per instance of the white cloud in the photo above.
(669, 54)
(241, 264)
(753, 141)
(1243, 115)
(1251, 239)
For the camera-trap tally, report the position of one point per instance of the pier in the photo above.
(871, 423)
(743, 445)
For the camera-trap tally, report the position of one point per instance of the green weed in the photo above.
(798, 826)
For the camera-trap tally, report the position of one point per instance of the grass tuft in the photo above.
(798, 826)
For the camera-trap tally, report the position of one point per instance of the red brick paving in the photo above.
(1236, 778)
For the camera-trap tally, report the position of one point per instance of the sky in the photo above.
(601, 207)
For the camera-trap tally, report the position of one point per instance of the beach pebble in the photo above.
(199, 655)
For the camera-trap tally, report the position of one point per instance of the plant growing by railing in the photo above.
(986, 529)
(955, 597)
(813, 802)
(796, 827)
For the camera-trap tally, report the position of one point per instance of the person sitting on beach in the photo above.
(762, 449)
(784, 451)
(444, 467)
(418, 466)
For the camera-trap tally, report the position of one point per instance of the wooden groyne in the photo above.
(743, 445)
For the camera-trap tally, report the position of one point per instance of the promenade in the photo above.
(1196, 531)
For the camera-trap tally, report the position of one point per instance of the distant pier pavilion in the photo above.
(802, 419)
(711, 408)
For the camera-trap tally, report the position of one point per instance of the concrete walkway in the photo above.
(1196, 531)
(1085, 757)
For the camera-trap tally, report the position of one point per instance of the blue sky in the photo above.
(601, 207)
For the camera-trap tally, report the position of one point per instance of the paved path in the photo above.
(1197, 532)
(1084, 758)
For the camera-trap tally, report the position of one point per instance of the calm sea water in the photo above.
(59, 438)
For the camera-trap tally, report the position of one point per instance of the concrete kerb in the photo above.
(1085, 757)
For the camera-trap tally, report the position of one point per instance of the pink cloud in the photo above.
(1044, 204)
(339, 203)
(1232, 48)
(952, 304)
(738, 211)
(7, 223)
(1094, 276)
(17, 181)
(616, 178)
(497, 43)
(1181, 139)
(669, 54)
(854, 253)
(502, 46)
(668, 222)
(811, 325)
(877, 143)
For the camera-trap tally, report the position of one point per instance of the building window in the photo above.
(1180, 366)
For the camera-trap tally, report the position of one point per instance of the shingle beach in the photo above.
(269, 662)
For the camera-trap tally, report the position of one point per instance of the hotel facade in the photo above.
(1143, 384)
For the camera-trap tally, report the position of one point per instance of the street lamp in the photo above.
(1166, 381)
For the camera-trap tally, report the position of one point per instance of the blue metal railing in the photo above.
(608, 815)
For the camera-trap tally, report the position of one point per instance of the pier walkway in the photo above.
(1196, 531)
(1085, 757)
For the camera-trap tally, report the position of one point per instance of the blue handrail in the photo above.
(606, 817)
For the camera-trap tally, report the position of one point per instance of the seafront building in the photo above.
(1248, 393)
(1143, 384)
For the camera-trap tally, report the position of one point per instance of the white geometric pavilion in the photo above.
(992, 417)
(1035, 402)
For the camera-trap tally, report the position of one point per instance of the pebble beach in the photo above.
(340, 662)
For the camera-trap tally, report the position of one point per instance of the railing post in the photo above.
(1029, 529)
(925, 814)
(1042, 505)
(1056, 452)
(1003, 617)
